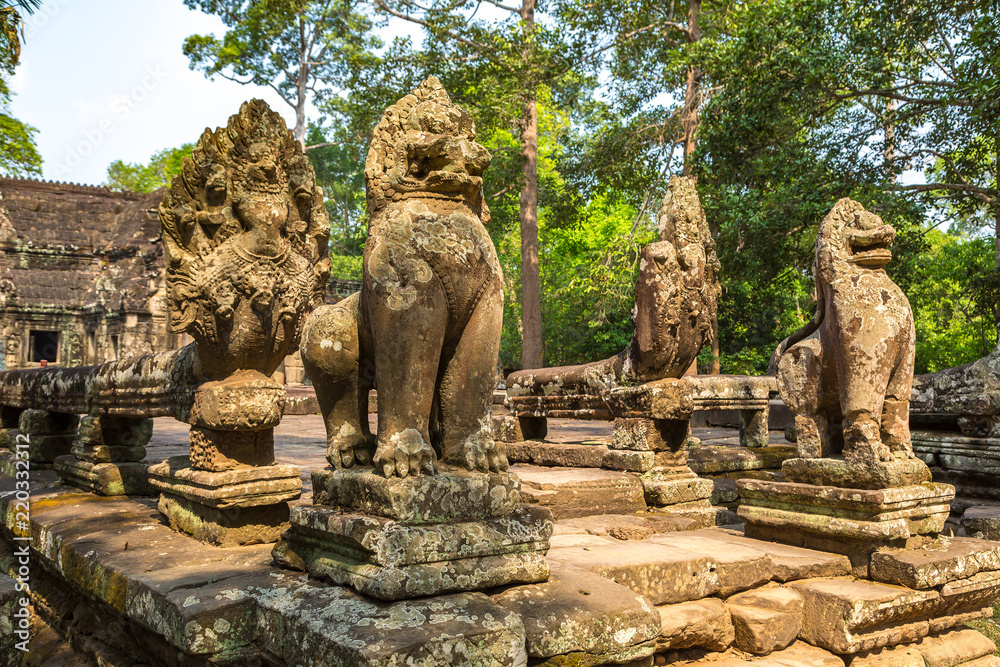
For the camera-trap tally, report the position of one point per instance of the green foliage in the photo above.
(588, 280)
(156, 174)
(19, 156)
(298, 48)
(955, 324)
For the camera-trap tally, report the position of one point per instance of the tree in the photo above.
(499, 67)
(10, 25)
(19, 155)
(158, 173)
(298, 48)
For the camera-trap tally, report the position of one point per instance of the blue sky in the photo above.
(106, 80)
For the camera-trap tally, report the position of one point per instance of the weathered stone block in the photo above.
(114, 431)
(944, 560)
(736, 567)
(576, 611)
(841, 474)
(788, 563)
(622, 526)
(454, 494)
(392, 561)
(45, 422)
(506, 428)
(244, 487)
(716, 460)
(575, 492)
(766, 620)
(953, 648)
(229, 526)
(850, 616)
(626, 460)
(303, 624)
(982, 522)
(556, 454)
(889, 656)
(106, 479)
(854, 522)
(665, 488)
(658, 572)
(704, 624)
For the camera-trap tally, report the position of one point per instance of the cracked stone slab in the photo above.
(788, 563)
(302, 623)
(848, 615)
(658, 572)
(576, 611)
(737, 568)
(704, 624)
(943, 560)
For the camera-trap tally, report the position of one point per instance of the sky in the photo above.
(105, 80)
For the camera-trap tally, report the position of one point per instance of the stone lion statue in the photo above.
(425, 328)
(853, 363)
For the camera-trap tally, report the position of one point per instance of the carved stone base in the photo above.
(454, 494)
(383, 559)
(225, 527)
(103, 439)
(854, 522)
(242, 506)
(840, 473)
(105, 479)
(395, 539)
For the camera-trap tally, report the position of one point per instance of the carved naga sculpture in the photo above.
(425, 328)
(676, 297)
(245, 233)
(854, 361)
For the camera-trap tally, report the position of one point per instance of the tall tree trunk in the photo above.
(689, 122)
(532, 352)
(690, 117)
(301, 86)
(531, 299)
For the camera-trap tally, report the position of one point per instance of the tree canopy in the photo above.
(779, 107)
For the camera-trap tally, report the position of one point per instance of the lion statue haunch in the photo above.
(853, 363)
(676, 297)
(425, 328)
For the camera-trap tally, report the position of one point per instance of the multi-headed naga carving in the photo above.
(245, 233)
(425, 328)
(853, 363)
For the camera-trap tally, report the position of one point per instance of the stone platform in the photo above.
(114, 582)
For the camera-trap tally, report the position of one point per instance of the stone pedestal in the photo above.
(851, 521)
(48, 434)
(106, 456)
(396, 539)
(229, 491)
(243, 506)
(670, 486)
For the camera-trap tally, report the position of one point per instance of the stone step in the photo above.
(799, 654)
(714, 460)
(576, 492)
(583, 618)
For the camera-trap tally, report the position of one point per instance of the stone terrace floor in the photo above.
(301, 440)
